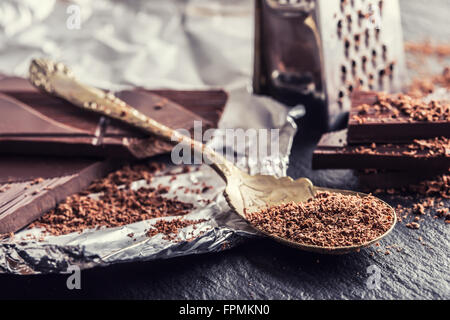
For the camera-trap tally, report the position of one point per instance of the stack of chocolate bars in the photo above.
(392, 140)
(50, 149)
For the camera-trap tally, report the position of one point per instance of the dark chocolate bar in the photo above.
(395, 120)
(333, 152)
(30, 186)
(208, 104)
(35, 123)
(381, 179)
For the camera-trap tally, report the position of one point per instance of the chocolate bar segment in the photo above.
(39, 124)
(333, 152)
(381, 179)
(377, 117)
(30, 186)
(207, 104)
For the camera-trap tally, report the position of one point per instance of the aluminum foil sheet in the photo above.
(177, 44)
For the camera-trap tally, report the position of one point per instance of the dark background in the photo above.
(262, 269)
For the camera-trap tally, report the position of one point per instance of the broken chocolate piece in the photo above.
(333, 152)
(39, 124)
(29, 186)
(377, 117)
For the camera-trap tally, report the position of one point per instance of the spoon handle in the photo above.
(57, 79)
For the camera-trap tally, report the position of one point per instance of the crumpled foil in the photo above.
(177, 44)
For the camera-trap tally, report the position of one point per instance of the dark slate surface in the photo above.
(263, 269)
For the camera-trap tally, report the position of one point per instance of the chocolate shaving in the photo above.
(170, 228)
(430, 148)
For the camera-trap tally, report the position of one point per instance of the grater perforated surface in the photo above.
(362, 47)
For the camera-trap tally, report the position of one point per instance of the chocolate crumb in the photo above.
(413, 225)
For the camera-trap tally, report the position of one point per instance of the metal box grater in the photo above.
(317, 52)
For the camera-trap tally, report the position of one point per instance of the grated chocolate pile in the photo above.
(117, 205)
(171, 228)
(415, 109)
(327, 220)
(433, 147)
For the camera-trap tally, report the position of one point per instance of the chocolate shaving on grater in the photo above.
(318, 52)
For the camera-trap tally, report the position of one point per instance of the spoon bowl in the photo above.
(247, 194)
